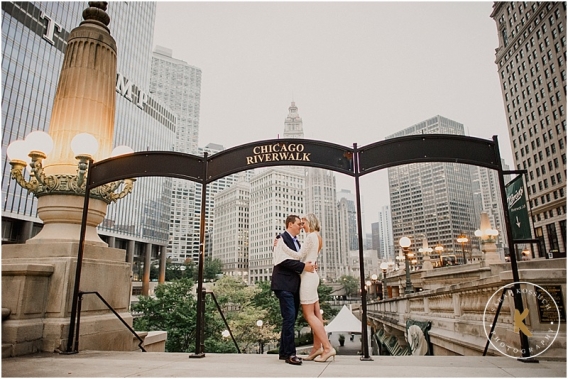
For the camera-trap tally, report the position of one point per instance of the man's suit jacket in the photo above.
(286, 275)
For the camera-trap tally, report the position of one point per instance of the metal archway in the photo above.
(354, 162)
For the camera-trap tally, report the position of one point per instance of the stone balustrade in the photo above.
(460, 302)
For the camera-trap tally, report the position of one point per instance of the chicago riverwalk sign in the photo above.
(352, 161)
(281, 152)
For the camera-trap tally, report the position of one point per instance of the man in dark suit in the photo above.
(286, 286)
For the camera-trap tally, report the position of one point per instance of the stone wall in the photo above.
(37, 291)
(454, 299)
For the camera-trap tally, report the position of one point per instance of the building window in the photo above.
(552, 236)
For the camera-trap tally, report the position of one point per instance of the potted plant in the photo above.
(341, 340)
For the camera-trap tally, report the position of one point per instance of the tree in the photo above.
(350, 284)
(267, 300)
(212, 268)
(236, 299)
(173, 309)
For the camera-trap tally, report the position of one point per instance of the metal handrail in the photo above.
(80, 300)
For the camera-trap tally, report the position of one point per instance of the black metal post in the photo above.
(408, 287)
(495, 320)
(75, 298)
(509, 238)
(77, 329)
(200, 319)
(364, 336)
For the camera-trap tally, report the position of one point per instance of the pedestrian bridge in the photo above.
(450, 307)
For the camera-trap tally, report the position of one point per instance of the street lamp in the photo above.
(439, 249)
(259, 324)
(384, 267)
(404, 242)
(463, 240)
(52, 180)
(488, 238)
(426, 251)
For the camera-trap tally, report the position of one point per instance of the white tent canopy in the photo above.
(345, 321)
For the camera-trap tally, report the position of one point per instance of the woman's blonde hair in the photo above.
(313, 222)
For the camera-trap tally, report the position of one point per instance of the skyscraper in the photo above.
(320, 198)
(213, 189)
(346, 228)
(531, 61)
(34, 38)
(432, 200)
(178, 84)
(231, 234)
(275, 193)
(386, 243)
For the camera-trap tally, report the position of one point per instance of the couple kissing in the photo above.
(294, 282)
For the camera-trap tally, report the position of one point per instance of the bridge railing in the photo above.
(460, 303)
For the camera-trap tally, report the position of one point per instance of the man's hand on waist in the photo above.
(310, 266)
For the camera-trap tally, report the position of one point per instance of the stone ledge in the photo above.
(60, 250)
(27, 269)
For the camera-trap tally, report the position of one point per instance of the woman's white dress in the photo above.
(309, 280)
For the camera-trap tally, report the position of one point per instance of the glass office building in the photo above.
(34, 38)
(432, 200)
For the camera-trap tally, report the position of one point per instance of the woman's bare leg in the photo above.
(317, 327)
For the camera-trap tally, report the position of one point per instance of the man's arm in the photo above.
(298, 266)
(293, 264)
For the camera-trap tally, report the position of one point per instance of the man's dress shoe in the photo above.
(294, 360)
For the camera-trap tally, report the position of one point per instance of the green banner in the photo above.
(517, 207)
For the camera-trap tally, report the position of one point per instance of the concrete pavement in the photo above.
(179, 365)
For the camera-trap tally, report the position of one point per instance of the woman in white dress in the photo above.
(322, 349)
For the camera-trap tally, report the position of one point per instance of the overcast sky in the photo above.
(358, 71)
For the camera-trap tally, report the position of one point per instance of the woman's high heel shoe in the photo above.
(313, 355)
(324, 357)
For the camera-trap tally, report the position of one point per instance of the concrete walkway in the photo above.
(179, 365)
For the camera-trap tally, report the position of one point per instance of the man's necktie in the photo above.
(297, 244)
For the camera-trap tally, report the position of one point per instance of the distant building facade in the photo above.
(432, 200)
(347, 227)
(386, 247)
(275, 193)
(375, 237)
(231, 235)
(531, 62)
(178, 84)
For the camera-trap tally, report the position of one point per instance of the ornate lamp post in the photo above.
(426, 251)
(404, 242)
(81, 129)
(488, 238)
(384, 267)
(462, 238)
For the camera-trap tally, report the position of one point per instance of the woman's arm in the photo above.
(293, 253)
(307, 246)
